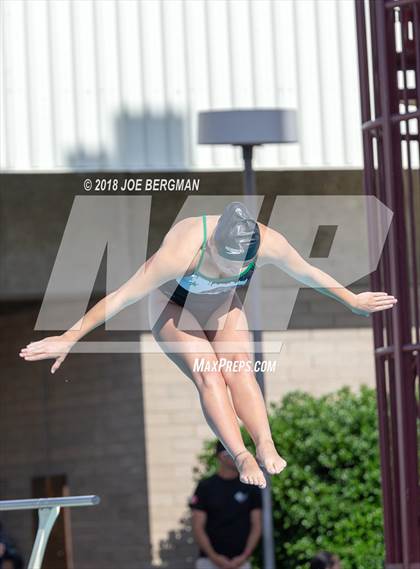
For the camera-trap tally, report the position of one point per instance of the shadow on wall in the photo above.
(179, 549)
(146, 141)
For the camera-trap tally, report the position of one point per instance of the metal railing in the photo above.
(389, 69)
(48, 511)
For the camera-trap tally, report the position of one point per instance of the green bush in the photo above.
(329, 496)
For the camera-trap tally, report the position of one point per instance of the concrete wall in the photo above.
(131, 428)
(86, 422)
(34, 210)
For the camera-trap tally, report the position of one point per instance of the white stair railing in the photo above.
(48, 510)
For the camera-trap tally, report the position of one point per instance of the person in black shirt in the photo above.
(8, 553)
(325, 560)
(11, 561)
(226, 517)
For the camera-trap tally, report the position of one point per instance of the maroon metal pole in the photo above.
(369, 185)
(396, 353)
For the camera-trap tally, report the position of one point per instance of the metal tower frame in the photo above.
(389, 68)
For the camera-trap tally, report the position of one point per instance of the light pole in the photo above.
(248, 128)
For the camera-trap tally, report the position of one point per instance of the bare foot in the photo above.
(269, 458)
(249, 471)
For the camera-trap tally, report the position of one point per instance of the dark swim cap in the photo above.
(237, 235)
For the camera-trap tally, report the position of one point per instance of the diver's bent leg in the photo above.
(248, 400)
(214, 398)
(246, 394)
(244, 388)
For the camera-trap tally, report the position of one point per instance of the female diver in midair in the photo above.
(200, 263)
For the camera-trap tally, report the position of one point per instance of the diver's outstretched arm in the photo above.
(277, 250)
(170, 261)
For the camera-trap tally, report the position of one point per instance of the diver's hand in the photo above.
(53, 347)
(367, 302)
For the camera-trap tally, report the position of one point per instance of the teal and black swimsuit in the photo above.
(199, 287)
